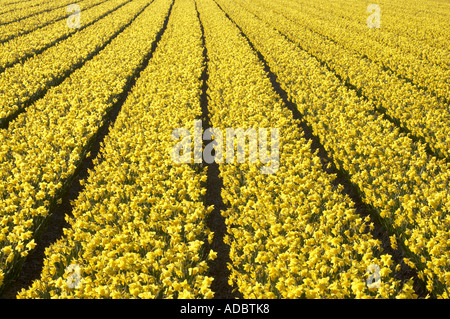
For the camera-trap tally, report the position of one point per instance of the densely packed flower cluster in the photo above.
(17, 5)
(139, 225)
(408, 187)
(12, 12)
(359, 38)
(25, 81)
(21, 47)
(426, 115)
(292, 234)
(32, 22)
(41, 149)
(420, 17)
(417, 20)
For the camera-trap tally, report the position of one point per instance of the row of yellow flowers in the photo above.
(291, 233)
(409, 188)
(42, 148)
(33, 22)
(419, 111)
(140, 223)
(20, 47)
(25, 81)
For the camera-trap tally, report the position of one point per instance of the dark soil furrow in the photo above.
(216, 222)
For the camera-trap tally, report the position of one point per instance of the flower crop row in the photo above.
(21, 47)
(291, 233)
(422, 113)
(409, 188)
(14, 29)
(41, 149)
(25, 81)
(139, 225)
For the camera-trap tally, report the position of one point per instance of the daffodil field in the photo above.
(351, 98)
